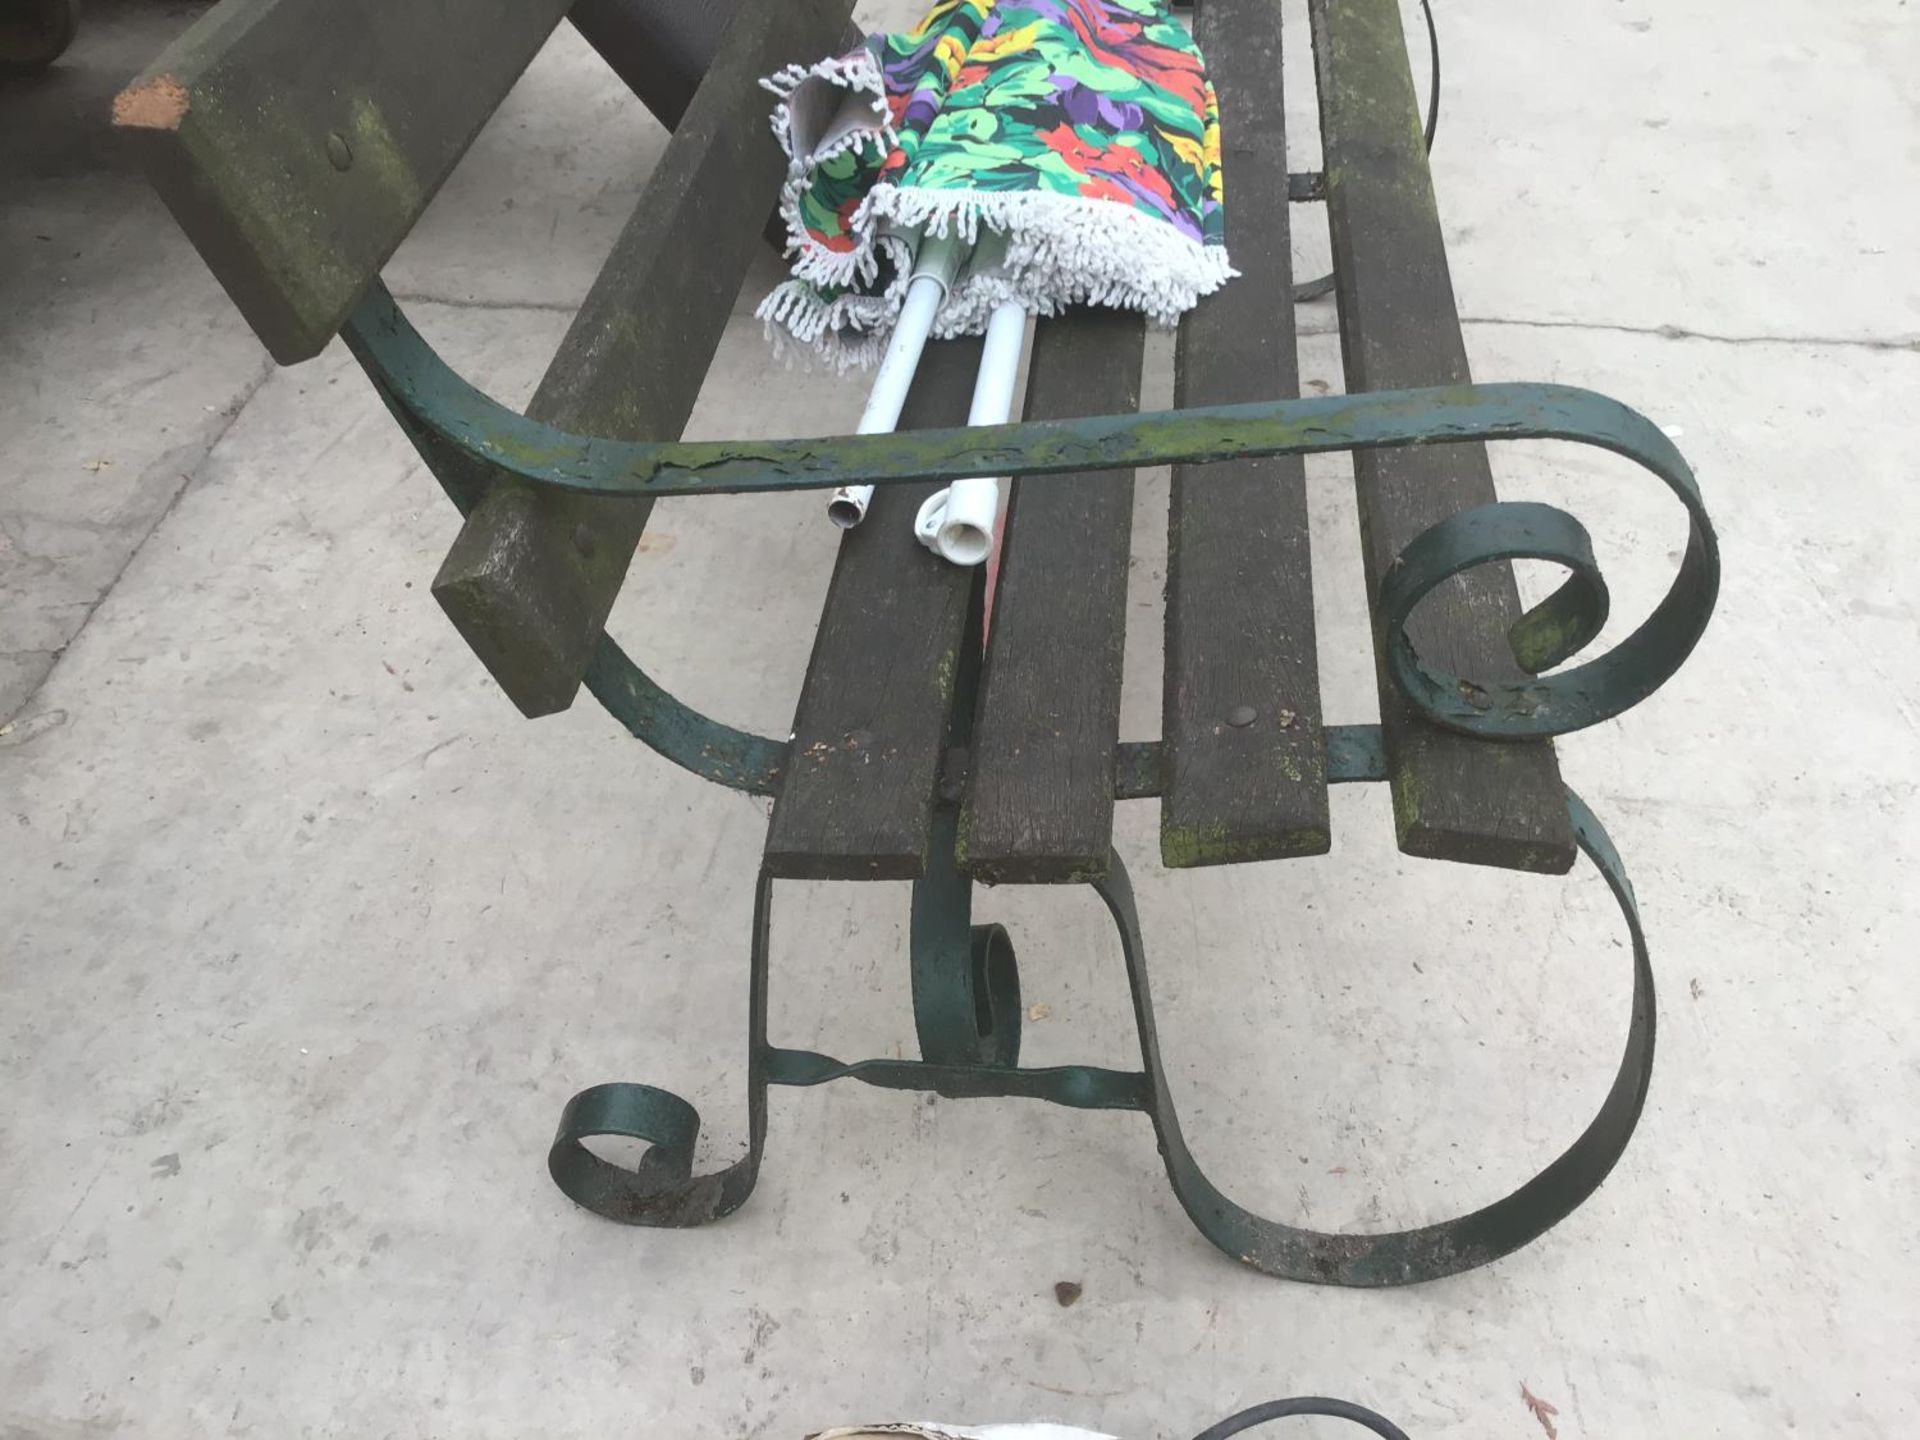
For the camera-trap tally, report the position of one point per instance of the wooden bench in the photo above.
(297, 147)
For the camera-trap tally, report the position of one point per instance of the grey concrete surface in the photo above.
(305, 935)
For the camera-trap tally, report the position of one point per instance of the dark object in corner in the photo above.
(35, 33)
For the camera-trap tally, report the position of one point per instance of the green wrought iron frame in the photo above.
(965, 980)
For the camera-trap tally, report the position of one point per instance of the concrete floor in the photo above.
(307, 935)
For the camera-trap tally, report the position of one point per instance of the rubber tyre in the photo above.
(35, 33)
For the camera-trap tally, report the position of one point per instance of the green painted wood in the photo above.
(532, 576)
(1455, 797)
(297, 141)
(1039, 802)
(1241, 717)
(872, 724)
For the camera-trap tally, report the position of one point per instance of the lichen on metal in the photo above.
(438, 402)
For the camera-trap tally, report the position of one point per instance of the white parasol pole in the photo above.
(934, 266)
(958, 523)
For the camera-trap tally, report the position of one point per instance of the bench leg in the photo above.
(966, 995)
(663, 1190)
(1431, 1251)
(966, 982)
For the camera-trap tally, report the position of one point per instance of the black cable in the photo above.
(1304, 1405)
(1433, 84)
(1314, 289)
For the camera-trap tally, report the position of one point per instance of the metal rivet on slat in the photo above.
(583, 541)
(1240, 716)
(339, 152)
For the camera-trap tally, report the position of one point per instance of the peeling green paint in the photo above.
(442, 403)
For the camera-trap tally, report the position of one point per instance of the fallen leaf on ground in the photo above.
(1542, 1411)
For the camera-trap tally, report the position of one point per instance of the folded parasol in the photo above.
(1085, 131)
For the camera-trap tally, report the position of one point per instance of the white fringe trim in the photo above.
(1062, 250)
(857, 72)
(849, 331)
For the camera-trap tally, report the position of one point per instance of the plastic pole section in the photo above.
(958, 523)
(934, 267)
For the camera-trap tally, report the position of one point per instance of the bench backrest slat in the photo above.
(1455, 798)
(661, 48)
(872, 724)
(1039, 805)
(533, 574)
(297, 141)
(1245, 748)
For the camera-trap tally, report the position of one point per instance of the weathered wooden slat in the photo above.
(297, 141)
(533, 574)
(872, 722)
(1245, 748)
(1454, 798)
(1039, 804)
(661, 48)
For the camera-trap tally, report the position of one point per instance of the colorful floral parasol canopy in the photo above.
(1083, 132)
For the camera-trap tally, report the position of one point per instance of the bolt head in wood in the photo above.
(1241, 716)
